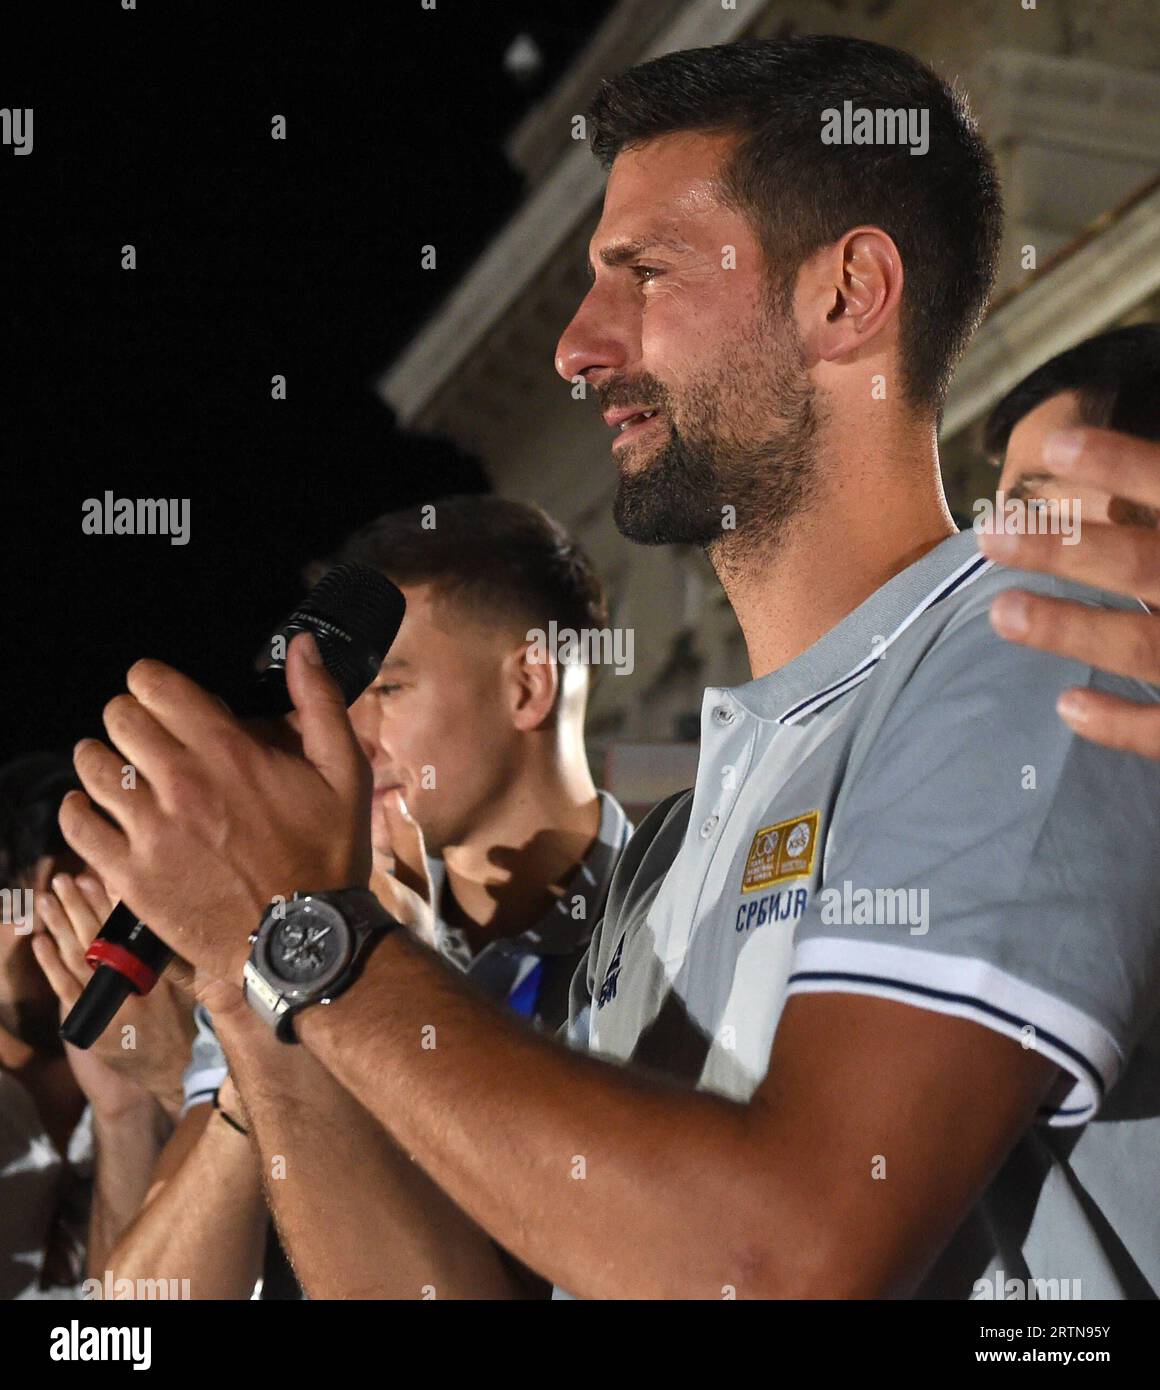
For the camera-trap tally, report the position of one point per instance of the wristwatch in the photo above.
(309, 950)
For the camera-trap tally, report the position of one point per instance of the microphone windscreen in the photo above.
(354, 613)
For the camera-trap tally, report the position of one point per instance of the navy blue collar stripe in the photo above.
(965, 574)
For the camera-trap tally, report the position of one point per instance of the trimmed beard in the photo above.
(742, 465)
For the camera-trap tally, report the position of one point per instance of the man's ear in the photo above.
(849, 294)
(532, 681)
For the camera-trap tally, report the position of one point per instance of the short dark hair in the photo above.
(943, 209)
(501, 557)
(31, 790)
(1116, 376)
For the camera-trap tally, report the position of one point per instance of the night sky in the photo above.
(254, 257)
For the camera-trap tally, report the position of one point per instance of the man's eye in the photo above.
(645, 272)
(385, 689)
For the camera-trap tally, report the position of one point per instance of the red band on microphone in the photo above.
(123, 962)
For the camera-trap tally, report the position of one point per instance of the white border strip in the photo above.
(966, 987)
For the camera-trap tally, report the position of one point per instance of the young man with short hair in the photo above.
(1111, 381)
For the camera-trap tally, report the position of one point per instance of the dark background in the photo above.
(254, 257)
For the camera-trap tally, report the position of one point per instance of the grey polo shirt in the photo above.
(530, 972)
(900, 812)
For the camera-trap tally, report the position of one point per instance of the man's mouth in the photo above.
(382, 788)
(629, 423)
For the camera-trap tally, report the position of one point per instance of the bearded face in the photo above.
(730, 454)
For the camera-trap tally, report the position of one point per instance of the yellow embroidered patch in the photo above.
(781, 851)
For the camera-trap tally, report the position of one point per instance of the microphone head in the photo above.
(354, 613)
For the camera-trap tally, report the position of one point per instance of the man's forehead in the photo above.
(442, 619)
(658, 192)
(426, 619)
(1056, 412)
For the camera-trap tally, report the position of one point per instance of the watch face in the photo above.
(309, 946)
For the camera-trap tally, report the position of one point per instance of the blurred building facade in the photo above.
(1067, 94)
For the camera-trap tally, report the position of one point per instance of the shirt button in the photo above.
(708, 826)
(723, 715)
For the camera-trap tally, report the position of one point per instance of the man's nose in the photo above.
(595, 342)
(365, 722)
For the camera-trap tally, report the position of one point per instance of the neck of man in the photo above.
(538, 829)
(877, 507)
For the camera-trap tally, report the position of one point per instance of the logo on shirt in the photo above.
(611, 975)
(783, 905)
(781, 851)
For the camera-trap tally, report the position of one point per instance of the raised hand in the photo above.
(1123, 557)
(146, 1048)
(400, 880)
(220, 821)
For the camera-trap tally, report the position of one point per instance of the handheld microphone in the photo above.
(354, 613)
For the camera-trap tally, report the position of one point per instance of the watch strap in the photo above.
(368, 920)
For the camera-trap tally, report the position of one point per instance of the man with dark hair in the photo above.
(941, 208)
(1111, 381)
(1086, 425)
(494, 554)
(31, 852)
(1123, 560)
(488, 834)
(856, 996)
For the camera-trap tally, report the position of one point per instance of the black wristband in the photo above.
(229, 1119)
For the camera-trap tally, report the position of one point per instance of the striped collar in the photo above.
(568, 923)
(844, 657)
